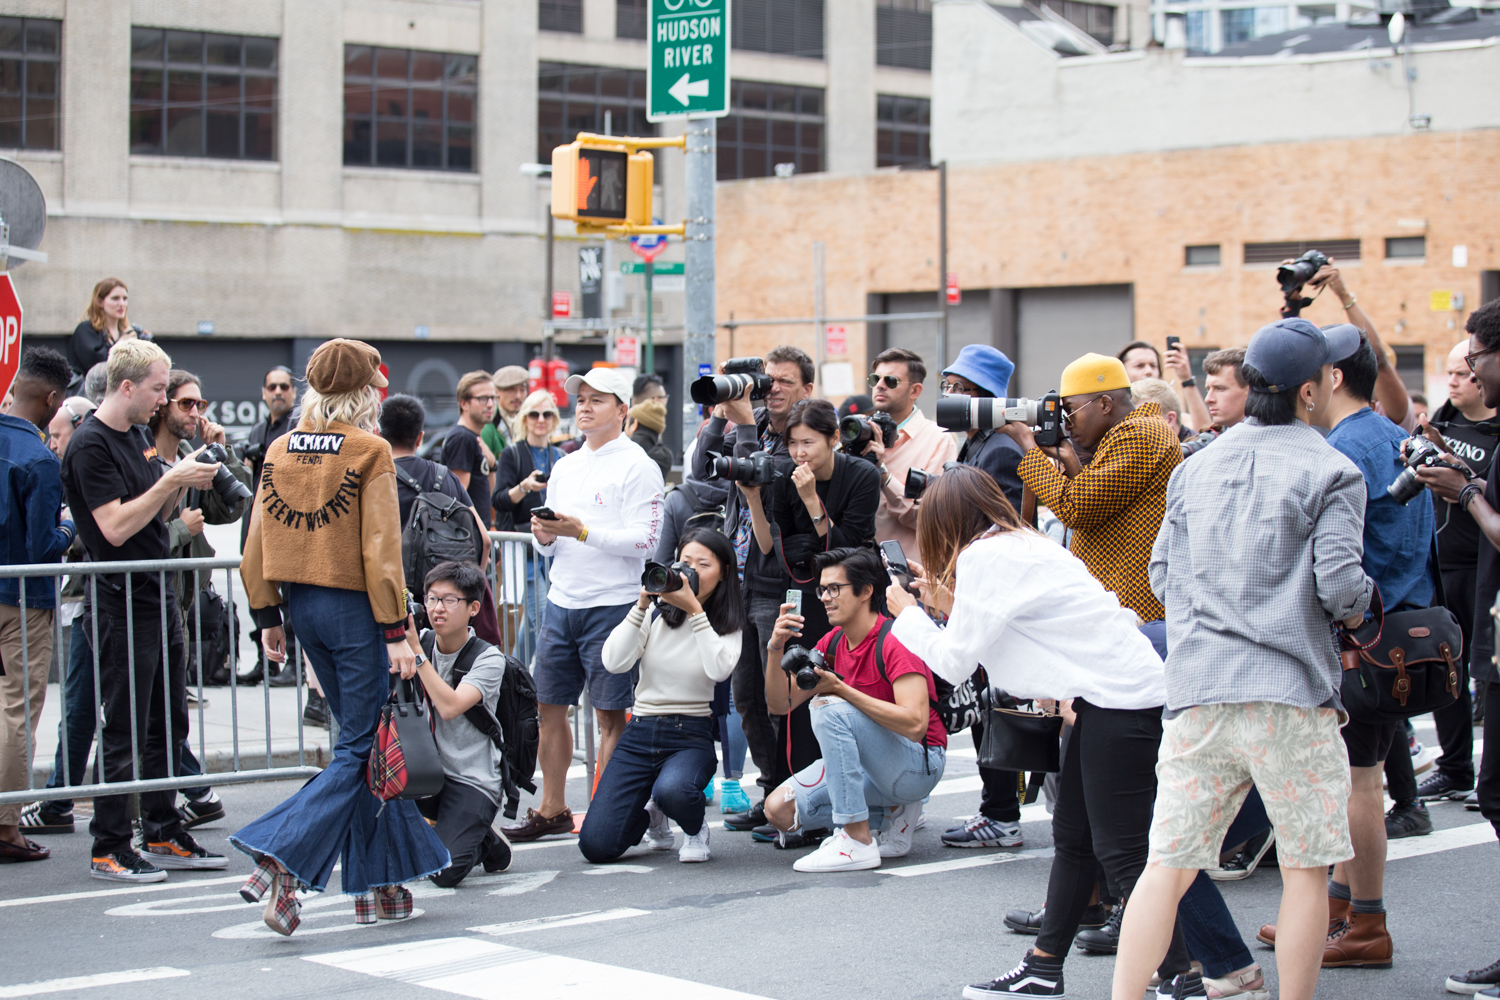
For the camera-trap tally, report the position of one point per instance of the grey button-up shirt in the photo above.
(1257, 558)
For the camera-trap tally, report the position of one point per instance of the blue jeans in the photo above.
(569, 655)
(864, 764)
(334, 816)
(735, 744)
(1208, 929)
(668, 758)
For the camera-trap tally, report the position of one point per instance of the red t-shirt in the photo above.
(858, 668)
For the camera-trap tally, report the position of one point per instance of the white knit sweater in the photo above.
(679, 666)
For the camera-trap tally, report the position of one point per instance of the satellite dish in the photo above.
(24, 210)
(1396, 30)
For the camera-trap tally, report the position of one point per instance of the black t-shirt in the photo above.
(462, 453)
(103, 464)
(1458, 533)
(425, 473)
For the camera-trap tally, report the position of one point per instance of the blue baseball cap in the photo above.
(985, 367)
(1291, 351)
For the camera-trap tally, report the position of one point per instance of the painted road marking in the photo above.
(473, 967)
(958, 864)
(561, 920)
(1450, 839)
(86, 982)
(258, 928)
(65, 897)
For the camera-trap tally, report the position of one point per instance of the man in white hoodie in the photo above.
(606, 499)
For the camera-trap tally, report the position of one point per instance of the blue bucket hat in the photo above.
(1291, 351)
(985, 367)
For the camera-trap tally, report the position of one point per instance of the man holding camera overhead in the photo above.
(601, 521)
(1115, 503)
(896, 384)
(790, 375)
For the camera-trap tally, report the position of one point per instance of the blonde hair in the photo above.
(540, 401)
(1154, 390)
(130, 361)
(359, 408)
(95, 314)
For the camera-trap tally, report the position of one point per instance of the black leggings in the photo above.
(1102, 818)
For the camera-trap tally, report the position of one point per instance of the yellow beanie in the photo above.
(650, 413)
(1093, 373)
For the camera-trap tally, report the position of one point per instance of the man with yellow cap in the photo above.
(1114, 505)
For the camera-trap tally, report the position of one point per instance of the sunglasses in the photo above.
(1069, 415)
(189, 405)
(541, 414)
(1469, 358)
(278, 386)
(890, 381)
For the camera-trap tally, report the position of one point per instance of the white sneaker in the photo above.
(695, 846)
(840, 853)
(659, 833)
(895, 839)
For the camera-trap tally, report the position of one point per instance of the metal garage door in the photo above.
(1056, 325)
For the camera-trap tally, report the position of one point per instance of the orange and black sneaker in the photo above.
(182, 851)
(125, 866)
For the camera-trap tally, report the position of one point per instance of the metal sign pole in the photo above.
(699, 172)
(650, 345)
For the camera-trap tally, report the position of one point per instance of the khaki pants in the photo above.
(14, 750)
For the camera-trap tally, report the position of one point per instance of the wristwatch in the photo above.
(819, 519)
(1188, 382)
(419, 657)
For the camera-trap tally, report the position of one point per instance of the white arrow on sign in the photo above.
(685, 88)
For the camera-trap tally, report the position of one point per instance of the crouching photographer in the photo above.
(883, 745)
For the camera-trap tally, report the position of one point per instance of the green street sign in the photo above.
(639, 267)
(689, 69)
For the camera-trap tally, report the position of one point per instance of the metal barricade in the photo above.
(165, 572)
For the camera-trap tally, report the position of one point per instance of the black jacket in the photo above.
(763, 574)
(256, 443)
(513, 465)
(850, 496)
(650, 443)
(996, 453)
(692, 497)
(86, 348)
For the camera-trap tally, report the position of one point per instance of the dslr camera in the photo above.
(757, 470)
(660, 578)
(969, 413)
(738, 373)
(799, 663)
(857, 430)
(1418, 453)
(917, 480)
(1291, 277)
(229, 489)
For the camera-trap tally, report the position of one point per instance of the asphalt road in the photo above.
(649, 927)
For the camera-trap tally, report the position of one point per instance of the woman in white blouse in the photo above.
(666, 755)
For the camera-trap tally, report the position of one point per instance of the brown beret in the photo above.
(341, 366)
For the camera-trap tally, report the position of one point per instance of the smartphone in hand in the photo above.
(1173, 342)
(544, 513)
(795, 597)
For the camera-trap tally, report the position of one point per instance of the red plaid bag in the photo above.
(404, 762)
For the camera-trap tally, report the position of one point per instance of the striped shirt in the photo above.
(1115, 504)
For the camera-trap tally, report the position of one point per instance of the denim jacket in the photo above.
(31, 500)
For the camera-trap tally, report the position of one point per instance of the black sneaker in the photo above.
(1103, 940)
(198, 812)
(1034, 977)
(1243, 864)
(765, 834)
(1182, 986)
(125, 866)
(1471, 802)
(1475, 979)
(37, 818)
(1030, 921)
(747, 820)
(802, 838)
(182, 851)
(315, 712)
(1409, 820)
(497, 858)
(1440, 787)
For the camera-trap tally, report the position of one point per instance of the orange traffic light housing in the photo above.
(604, 183)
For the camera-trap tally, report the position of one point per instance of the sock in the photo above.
(1376, 905)
(1338, 890)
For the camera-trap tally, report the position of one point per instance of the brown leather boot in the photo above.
(1338, 909)
(1362, 942)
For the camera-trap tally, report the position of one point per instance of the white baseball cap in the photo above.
(610, 380)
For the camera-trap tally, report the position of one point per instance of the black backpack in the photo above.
(220, 625)
(512, 724)
(439, 529)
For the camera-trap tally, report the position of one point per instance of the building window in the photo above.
(1275, 253)
(630, 18)
(573, 99)
(29, 50)
(1246, 23)
(770, 124)
(409, 108)
(903, 130)
(560, 15)
(199, 94)
(1411, 365)
(1205, 255)
(781, 27)
(1405, 247)
(1197, 30)
(1094, 19)
(903, 33)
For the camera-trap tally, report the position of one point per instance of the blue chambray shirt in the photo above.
(1398, 539)
(31, 498)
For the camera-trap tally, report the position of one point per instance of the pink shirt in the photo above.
(920, 444)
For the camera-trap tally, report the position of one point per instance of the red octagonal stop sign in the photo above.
(10, 333)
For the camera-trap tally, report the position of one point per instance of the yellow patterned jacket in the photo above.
(1115, 504)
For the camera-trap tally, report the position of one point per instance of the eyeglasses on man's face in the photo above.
(830, 591)
(1469, 358)
(484, 399)
(1070, 415)
(890, 381)
(450, 602)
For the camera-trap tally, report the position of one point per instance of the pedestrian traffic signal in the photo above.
(603, 183)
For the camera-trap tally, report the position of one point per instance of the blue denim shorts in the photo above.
(569, 655)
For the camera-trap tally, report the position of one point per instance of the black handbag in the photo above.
(1020, 740)
(404, 762)
(1403, 664)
